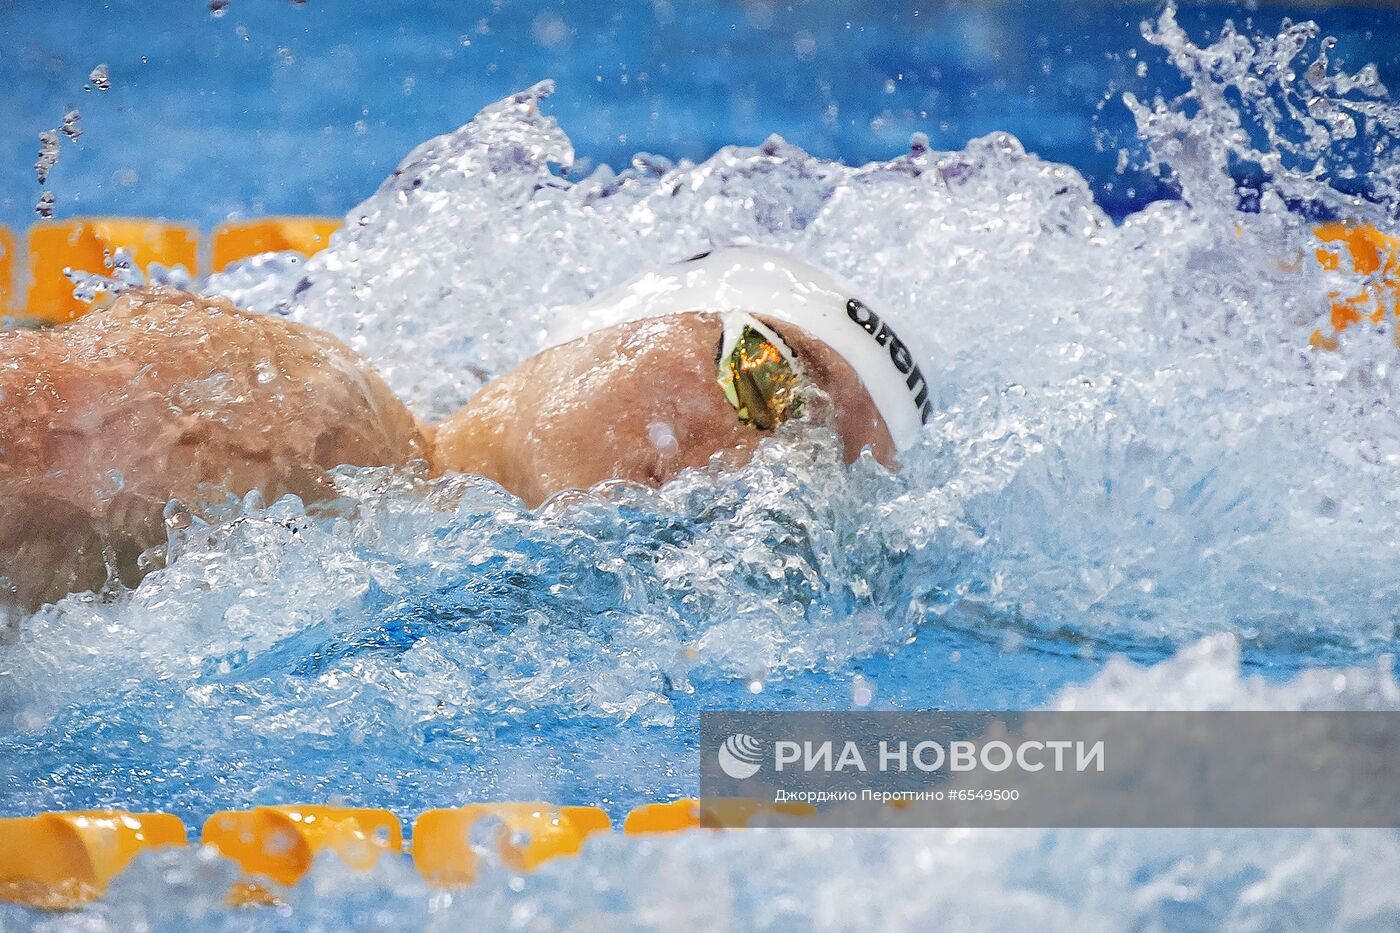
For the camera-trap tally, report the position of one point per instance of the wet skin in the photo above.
(639, 402)
(166, 395)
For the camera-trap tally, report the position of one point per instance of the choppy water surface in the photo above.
(1135, 453)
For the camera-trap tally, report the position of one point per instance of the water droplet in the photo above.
(70, 128)
(663, 437)
(48, 155)
(550, 31)
(862, 692)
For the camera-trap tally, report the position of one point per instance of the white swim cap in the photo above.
(766, 282)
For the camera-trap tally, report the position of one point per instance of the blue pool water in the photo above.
(276, 107)
(1140, 490)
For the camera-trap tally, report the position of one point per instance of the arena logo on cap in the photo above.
(903, 360)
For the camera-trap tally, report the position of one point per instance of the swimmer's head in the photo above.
(744, 284)
(679, 367)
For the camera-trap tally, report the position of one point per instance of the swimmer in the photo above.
(166, 395)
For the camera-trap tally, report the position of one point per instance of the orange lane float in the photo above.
(85, 245)
(722, 813)
(244, 238)
(1372, 254)
(524, 836)
(279, 843)
(63, 860)
(7, 273)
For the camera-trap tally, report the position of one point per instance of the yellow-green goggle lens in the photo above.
(759, 382)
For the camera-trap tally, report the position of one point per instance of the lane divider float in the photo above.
(524, 836)
(7, 271)
(86, 243)
(1372, 254)
(278, 844)
(243, 238)
(64, 860)
(724, 813)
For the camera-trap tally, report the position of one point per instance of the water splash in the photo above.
(124, 274)
(1135, 442)
(1274, 108)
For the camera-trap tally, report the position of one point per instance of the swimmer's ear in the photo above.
(758, 379)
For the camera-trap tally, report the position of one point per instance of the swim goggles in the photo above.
(758, 373)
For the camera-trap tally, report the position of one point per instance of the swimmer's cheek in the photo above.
(650, 441)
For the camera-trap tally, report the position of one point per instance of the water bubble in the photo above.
(116, 483)
(662, 436)
(550, 31)
(758, 14)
